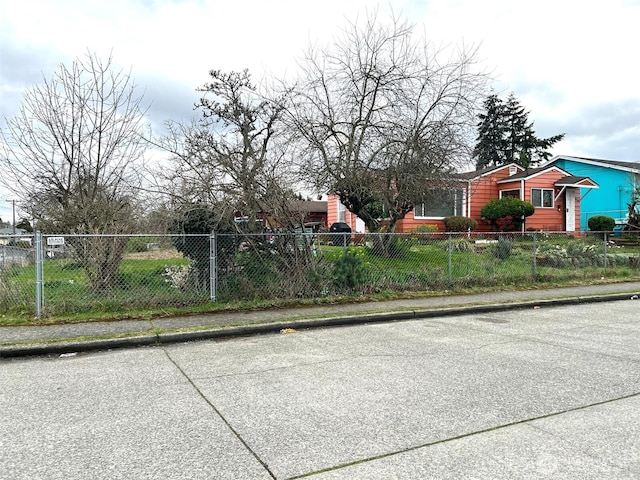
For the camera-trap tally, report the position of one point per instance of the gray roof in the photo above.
(528, 173)
(612, 163)
(479, 173)
(310, 206)
(9, 231)
(573, 180)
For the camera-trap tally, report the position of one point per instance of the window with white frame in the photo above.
(341, 210)
(515, 193)
(440, 202)
(542, 197)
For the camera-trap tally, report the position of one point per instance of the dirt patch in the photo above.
(158, 254)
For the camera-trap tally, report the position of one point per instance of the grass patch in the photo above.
(414, 269)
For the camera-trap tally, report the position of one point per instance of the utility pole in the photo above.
(13, 203)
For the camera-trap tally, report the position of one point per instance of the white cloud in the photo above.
(561, 59)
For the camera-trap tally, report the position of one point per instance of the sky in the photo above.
(573, 65)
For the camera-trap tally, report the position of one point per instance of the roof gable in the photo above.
(486, 171)
(533, 172)
(572, 181)
(633, 167)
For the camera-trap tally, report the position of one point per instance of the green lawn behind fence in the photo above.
(160, 286)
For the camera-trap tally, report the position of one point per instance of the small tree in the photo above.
(507, 213)
(459, 223)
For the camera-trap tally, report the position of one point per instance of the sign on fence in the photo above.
(55, 241)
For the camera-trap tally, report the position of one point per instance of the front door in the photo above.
(570, 206)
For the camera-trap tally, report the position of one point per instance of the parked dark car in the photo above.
(340, 234)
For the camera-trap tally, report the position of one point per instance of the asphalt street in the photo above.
(535, 393)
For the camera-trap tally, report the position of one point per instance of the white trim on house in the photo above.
(494, 170)
(538, 171)
(600, 163)
(511, 190)
(542, 190)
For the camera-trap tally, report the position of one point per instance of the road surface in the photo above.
(541, 393)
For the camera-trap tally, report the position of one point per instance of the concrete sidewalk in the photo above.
(536, 393)
(101, 335)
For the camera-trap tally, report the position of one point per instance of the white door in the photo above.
(570, 205)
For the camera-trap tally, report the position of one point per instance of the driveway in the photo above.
(539, 393)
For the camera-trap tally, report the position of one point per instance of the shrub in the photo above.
(506, 213)
(601, 223)
(193, 228)
(462, 245)
(350, 271)
(502, 249)
(177, 275)
(426, 229)
(458, 223)
(137, 244)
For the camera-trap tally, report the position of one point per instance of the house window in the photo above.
(515, 193)
(341, 210)
(542, 197)
(439, 203)
(513, 170)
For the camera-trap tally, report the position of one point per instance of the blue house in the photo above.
(617, 181)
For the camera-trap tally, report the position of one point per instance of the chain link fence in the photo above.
(60, 276)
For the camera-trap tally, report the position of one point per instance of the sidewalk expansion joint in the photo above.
(465, 435)
(219, 414)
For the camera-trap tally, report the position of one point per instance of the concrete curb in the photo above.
(60, 348)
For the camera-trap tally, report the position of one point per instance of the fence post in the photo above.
(605, 237)
(213, 266)
(39, 275)
(535, 251)
(449, 250)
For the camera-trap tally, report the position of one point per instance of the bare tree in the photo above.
(382, 116)
(233, 157)
(71, 155)
(233, 163)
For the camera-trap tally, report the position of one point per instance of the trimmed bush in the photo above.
(601, 223)
(507, 213)
(458, 223)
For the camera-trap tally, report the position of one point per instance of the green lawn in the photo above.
(144, 288)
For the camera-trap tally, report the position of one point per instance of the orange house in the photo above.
(554, 192)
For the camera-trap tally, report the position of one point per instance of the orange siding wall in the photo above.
(549, 219)
(481, 191)
(410, 223)
(332, 210)
(332, 213)
(478, 192)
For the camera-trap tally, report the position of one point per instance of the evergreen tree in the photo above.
(518, 131)
(25, 225)
(505, 135)
(491, 141)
